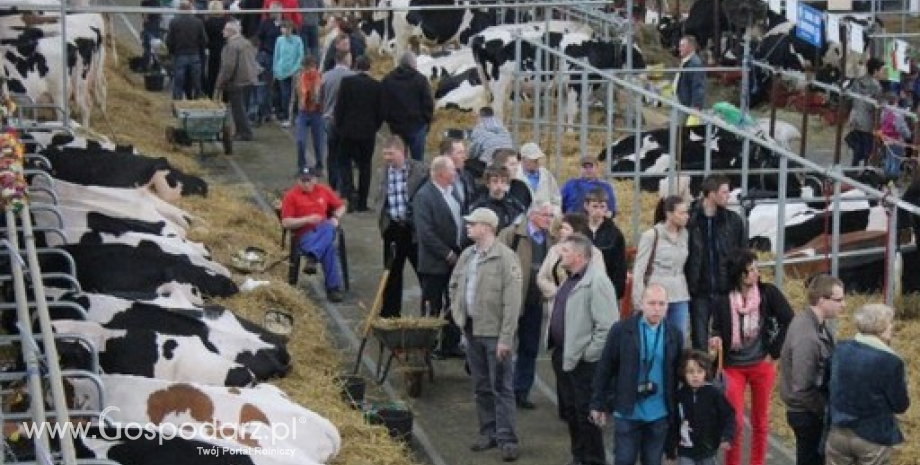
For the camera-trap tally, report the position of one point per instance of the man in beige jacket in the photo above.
(485, 293)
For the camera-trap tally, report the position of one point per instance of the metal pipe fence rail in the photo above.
(835, 172)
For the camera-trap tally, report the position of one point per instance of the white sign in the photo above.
(840, 5)
(857, 44)
(832, 30)
(792, 7)
(899, 56)
(776, 6)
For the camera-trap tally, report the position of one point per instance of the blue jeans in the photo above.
(284, 108)
(679, 316)
(701, 308)
(634, 438)
(313, 121)
(861, 142)
(525, 365)
(186, 77)
(320, 243)
(146, 37)
(492, 389)
(258, 102)
(415, 142)
(310, 37)
(332, 156)
(893, 156)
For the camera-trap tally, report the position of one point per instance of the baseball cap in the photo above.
(306, 172)
(531, 151)
(483, 215)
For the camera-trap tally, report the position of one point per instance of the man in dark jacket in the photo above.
(186, 42)
(357, 120)
(714, 232)
(151, 28)
(407, 104)
(464, 183)
(639, 369)
(691, 82)
(399, 181)
(508, 209)
(438, 223)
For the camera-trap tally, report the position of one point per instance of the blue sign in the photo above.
(808, 24)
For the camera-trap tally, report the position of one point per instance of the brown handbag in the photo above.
(651, 259)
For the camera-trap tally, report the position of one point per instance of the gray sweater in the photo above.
(668, 269)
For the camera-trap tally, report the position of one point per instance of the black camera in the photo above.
(647, 389)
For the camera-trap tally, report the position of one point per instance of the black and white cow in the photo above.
(137, 271)
(782, 48)
(495, 54)
(463, 91)
(437, 26)
(655, 154)
(377, 28)
(156, 339)
(34, 60)
(97, 166)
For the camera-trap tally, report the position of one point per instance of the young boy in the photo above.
(707, 421)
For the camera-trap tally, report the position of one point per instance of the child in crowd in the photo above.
(707, 421)
(896, 133)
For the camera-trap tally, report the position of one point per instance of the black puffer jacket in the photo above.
(730, 235)
(406, 101)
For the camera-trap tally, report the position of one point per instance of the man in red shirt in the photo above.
(313, 212)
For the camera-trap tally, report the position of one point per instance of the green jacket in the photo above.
(498, 292)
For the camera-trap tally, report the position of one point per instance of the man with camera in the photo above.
(639, 371)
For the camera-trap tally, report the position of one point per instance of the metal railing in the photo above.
(834, 173)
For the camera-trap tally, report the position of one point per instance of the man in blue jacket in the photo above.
(639, 371)
(690, 86)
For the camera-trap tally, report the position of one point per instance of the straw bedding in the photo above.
(227, 223)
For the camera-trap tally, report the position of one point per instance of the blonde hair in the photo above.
(216, 5)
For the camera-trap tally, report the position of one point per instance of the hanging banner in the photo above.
(776, 6)
(900, 58)
(791, 10)
(840, 5)
(832, 31)
(857, 39)
(808, 25)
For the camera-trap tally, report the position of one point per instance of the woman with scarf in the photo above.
(749, 330)
(868, 387)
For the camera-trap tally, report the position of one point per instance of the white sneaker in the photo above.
(285, 124)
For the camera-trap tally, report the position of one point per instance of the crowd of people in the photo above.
(518, 264)
(515, 272)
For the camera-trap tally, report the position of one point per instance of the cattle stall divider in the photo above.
(31, 353)
(746, 134)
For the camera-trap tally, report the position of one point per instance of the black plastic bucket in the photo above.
(155, 81)
(398, 421)
(353, 388)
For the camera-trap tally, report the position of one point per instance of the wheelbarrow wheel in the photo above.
(227, 139)
(414, 383)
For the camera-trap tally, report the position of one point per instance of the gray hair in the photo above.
(440, 164)
(233, 26)
(581, 244)
(536, 207)
(407, 60)
(873, 319)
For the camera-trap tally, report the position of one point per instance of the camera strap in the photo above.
(648, 356)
